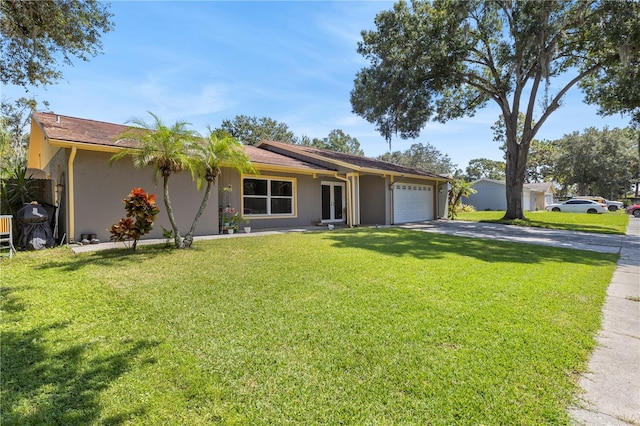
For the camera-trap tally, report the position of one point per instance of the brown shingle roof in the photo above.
(72, 129)
(80, 130)
(356, 161)
(99, 133)
(263, 156)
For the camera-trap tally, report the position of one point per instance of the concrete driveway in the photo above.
(549, 237)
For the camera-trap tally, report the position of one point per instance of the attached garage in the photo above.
(412, 203)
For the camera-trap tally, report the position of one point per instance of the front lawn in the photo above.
(606, 223)
(363, 326)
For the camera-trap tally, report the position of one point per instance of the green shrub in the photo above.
(141, 214)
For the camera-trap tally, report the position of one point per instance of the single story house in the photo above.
(492, 195)
(295, 186)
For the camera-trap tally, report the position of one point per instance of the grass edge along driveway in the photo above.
(363, 326)
(606, 223)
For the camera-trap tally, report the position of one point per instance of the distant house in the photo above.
(295, 185)
(492, 195)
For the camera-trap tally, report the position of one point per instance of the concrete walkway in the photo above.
(612, 383)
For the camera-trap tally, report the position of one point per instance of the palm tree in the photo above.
(167, 149)
(459, 188)
(218, 150)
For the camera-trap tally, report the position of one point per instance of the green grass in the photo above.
(357, 327)
(607, 223)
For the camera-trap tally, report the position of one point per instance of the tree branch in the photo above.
(555, 102)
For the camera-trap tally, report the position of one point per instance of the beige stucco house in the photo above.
(295, 186)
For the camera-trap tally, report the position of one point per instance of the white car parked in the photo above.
(614, 205)
(577, 206)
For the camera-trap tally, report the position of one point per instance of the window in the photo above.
(263, 196)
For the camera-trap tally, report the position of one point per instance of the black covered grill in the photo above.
(36, 231)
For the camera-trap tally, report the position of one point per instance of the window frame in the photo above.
(269, 197)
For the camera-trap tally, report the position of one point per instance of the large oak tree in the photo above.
(603, 162)
(443, 60)
(38, 35)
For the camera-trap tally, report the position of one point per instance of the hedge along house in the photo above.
(295, 186)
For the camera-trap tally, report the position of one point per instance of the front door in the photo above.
(333, 202)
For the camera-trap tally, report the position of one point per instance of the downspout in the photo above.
(71, 196)
(442, 189)
(355, 198)
(390, 199)
(349, 207)
(437, 197)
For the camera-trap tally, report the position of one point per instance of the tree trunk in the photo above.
(188, 239)
(515, 171)
(167, 203)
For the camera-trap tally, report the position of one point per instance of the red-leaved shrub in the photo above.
(141, 214)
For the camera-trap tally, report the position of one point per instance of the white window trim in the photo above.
(269, 215)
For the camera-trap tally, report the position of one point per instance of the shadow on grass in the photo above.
(424, 245)
(110, 257)
(10, 303)
(41, 385)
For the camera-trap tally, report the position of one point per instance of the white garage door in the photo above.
(412, 203)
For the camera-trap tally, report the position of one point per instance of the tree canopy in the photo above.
(597, 162)
(251, 130)
(443, 60)
(423, 157)
(484, 168)
(615, 88)
(336, 141)
(36, 35)
(14, 120)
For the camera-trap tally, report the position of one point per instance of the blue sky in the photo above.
(292, 61)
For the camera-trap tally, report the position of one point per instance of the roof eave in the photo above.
(405, 175)
(355, 167)
(315, 156)
(85, 146)
(287, 169)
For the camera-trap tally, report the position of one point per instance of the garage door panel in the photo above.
(412, 203)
